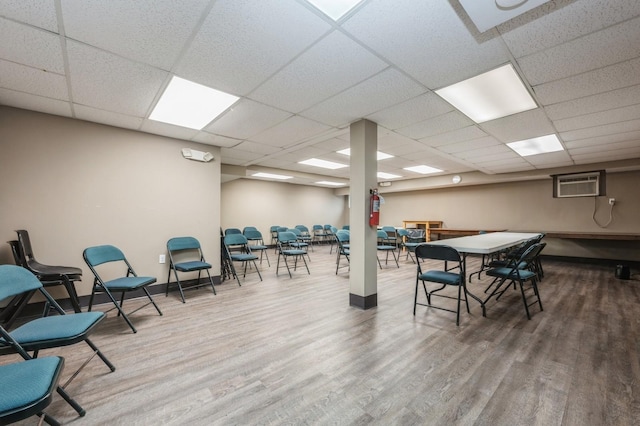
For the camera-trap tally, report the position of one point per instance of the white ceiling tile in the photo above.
(492, 163)
(34, 103)
(30, 80)
(516, 127)
(40, 13)
(550, 158)
(469, 145)
(258, 148)
(292, 130)
(247, 118)
(453, 120)
(412, 111)
(327, 68)
(378, 92)
(411, 34)
(107, 117)
(602, 142)
(215, 140)
(512, 168)
(243, 42)
(578, 148)
(609, 129)
(112, 83)
(550, 25)
(30, 46)
(488, 153)
(177, 132)
(455, 136)
(598, 81)
(609, 46)
(600, 102)
(613, 155)
(599, 118)
(136, 30)
(238, 154)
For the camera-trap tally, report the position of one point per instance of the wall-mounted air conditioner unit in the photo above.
(588, 184)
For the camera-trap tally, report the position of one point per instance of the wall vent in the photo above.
(589, 184)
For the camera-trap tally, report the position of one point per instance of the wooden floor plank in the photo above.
(292, 351)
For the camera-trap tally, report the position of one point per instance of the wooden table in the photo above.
(421, 224)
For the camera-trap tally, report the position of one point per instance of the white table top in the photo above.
(486, 243)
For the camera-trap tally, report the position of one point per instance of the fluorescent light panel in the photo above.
(494, 94)
(383, 175)
(322, 163)
(425, 170)
(271, 176)
(381, 155)
(335, 9)
(329, 183)
(534, 146)
(188, 104)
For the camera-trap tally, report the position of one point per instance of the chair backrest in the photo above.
(531, 253)
(15, 280)
(232, 231)
(343, 235)
(382, 235)
(235, 240)
(18, 254)
(437, 252)
(295, 231)
(284, 237)
(402, 232)
(98, 255)
(302, 228)
(346, 227)
(25, 243)
(282, 229)
(248, 228)
(252, 234)
(317, 228)
(183, 243)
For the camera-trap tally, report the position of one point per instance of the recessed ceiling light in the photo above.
(271, 176)
(188, 104)
(494, 94)
(322, 163)
(335, 9)
(329, 183)
(425, 170)
(539, 145)
(383, 175)
(381, 155)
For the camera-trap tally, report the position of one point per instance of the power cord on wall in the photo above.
(612, 201)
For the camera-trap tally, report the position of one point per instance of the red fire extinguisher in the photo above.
(374, 208)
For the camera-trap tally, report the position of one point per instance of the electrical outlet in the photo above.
(612, 201)
(162, 258)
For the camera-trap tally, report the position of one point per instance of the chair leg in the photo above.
(151, 300)
(100, 354)
(72, 402)
(179, 286)
(257, 270)
(211, 281)
(120, 311)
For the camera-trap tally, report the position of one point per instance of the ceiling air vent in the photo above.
(589, 184)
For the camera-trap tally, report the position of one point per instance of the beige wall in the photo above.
(74, 184)
(529, 206)
(262, 204)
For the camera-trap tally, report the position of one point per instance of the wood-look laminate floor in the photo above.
(292, 351)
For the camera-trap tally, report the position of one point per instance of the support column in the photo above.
(363, 275)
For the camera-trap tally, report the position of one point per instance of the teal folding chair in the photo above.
(185, 255)
(240, 251)
(130, 282)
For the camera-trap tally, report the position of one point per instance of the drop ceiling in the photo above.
(303, 78)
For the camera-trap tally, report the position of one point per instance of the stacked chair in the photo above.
(238, 248)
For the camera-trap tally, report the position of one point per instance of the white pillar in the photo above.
(363, 276)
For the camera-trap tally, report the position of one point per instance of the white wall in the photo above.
(74, 184)
(247, 202)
